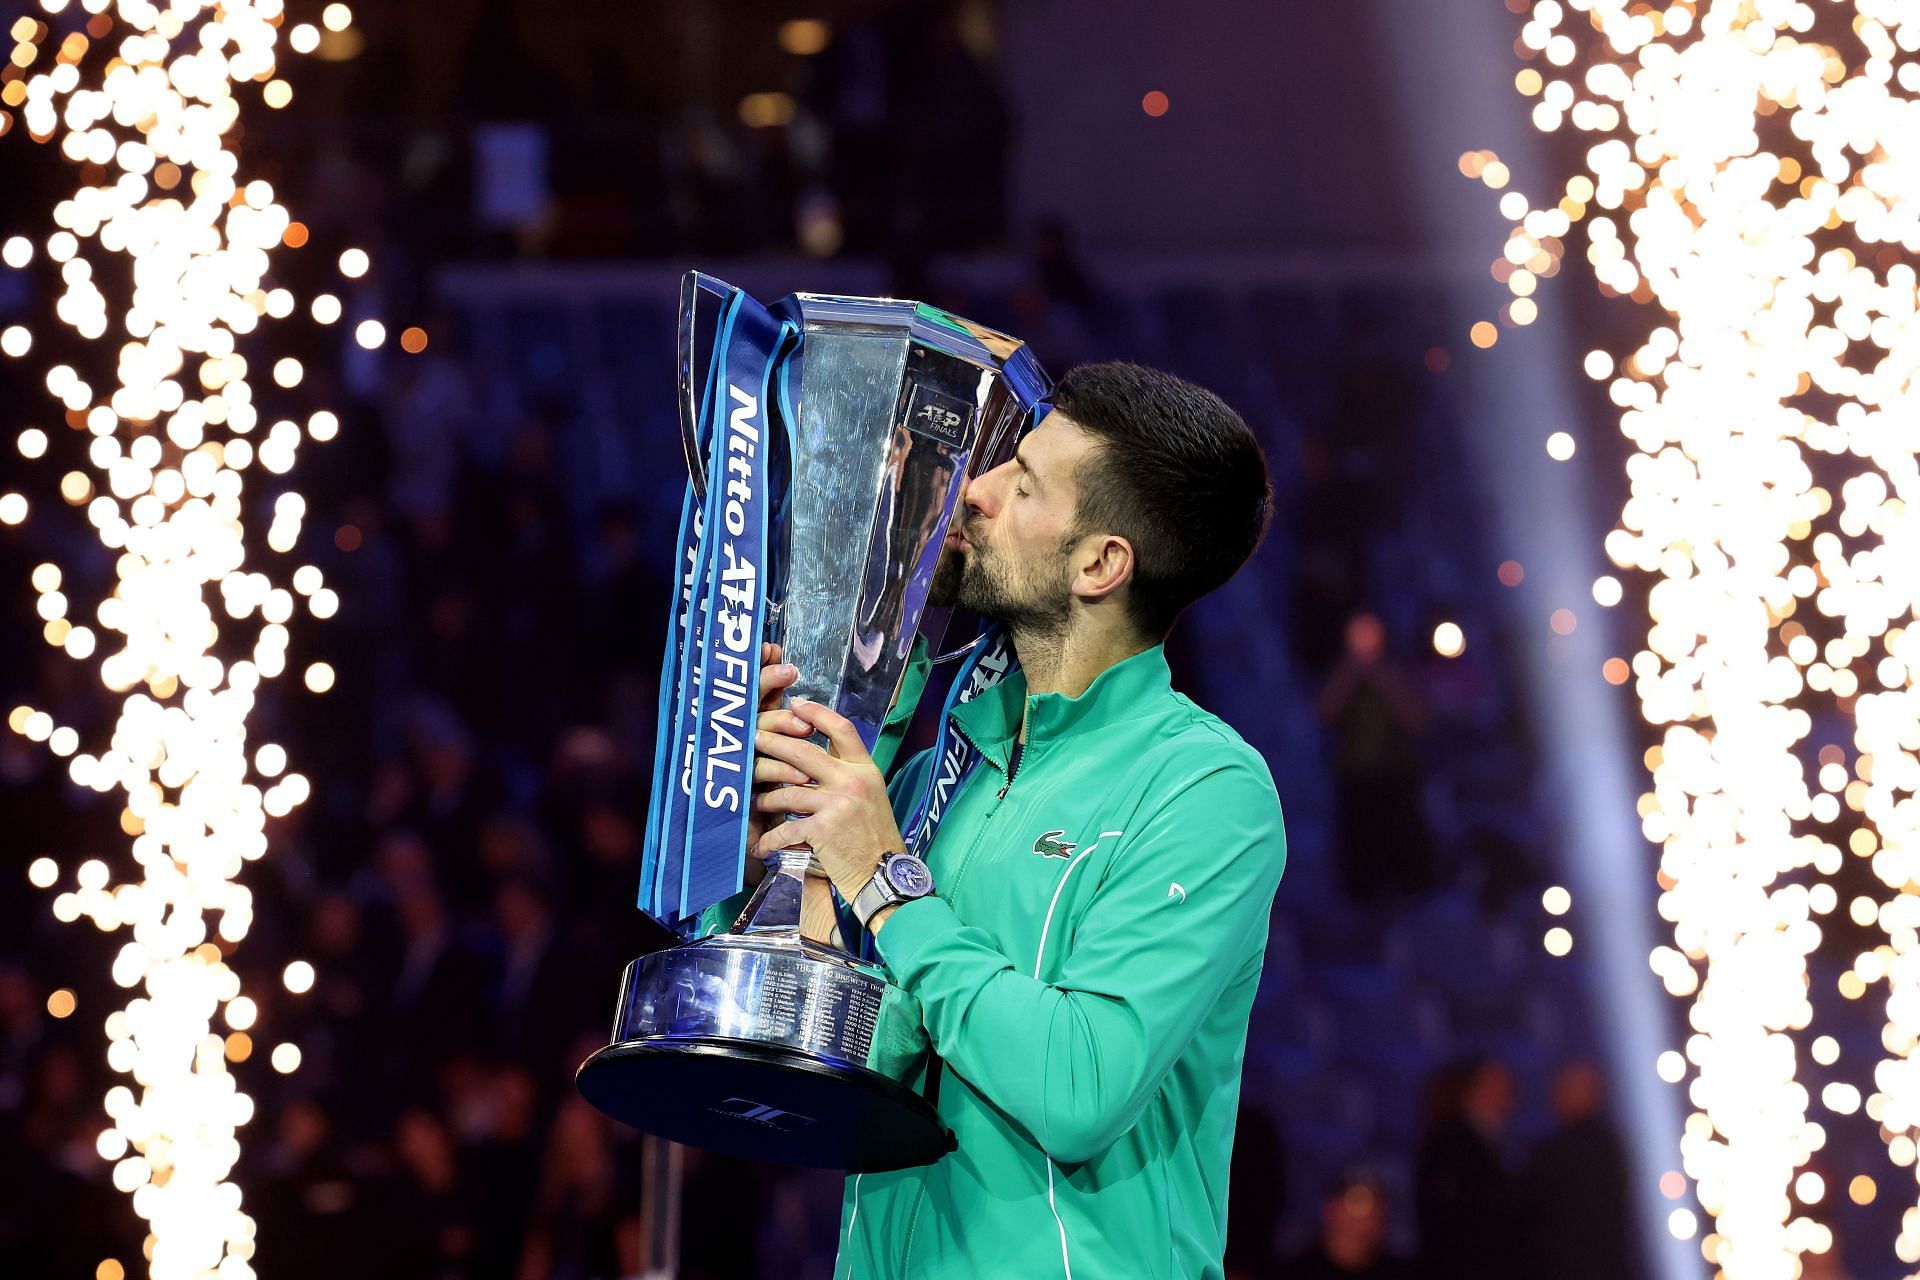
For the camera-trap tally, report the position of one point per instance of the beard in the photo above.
(944, 591)
(1025, 597)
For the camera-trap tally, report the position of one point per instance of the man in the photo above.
(1353, 1237)
(1101, 882)
(1468, 1202)
(1575, 1191)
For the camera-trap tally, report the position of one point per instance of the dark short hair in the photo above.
(1177, 473)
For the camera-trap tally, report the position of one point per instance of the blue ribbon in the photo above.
(697, 824)
(954, 754)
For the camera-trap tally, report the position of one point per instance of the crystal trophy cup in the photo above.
(756, 1041)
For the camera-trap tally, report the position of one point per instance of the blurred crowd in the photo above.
(463, 881)
(1486, 1207)
(463, 877)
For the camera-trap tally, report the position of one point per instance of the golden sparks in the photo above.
(154, 385)
(1753, 172)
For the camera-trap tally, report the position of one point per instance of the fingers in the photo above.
(775, 676)
(798, 752)
(839, 730)
(788, 835)
(791, 800)
(767, 770)
(781, 720)
(775, 680)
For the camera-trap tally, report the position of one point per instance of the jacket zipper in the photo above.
(986, 820)
(1013, 766)
(913, 1223)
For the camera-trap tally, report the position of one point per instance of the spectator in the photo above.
(541, 1004)
(1383, 846)
(495, 1113)
(314, 1210)
(1257, 1195)
(22, 1032)
(428, 1232)
(570, 1235)
(1466, 1197)
(1576, 1187)
(1353, 1237)
(437, 1000)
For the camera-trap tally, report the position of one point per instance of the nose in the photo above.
(982, 493)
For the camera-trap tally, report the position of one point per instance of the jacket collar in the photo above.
(992, 720)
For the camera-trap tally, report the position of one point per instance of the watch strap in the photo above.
(874, 894)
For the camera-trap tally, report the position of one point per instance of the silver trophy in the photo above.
(756, 1041)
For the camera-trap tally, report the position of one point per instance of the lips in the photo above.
(957, 541)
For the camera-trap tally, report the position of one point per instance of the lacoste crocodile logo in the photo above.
(1049, 846)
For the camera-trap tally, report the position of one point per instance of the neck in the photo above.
(1067, 661)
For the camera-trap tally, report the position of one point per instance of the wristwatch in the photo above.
(900, 877)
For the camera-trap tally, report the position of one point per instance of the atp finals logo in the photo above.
(739, 607)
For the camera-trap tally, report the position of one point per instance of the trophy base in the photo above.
(764, 1102)
(770, 1047)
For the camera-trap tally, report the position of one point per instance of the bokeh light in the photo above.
(298, 977)
(804, 37)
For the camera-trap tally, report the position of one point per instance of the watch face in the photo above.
(909, 877)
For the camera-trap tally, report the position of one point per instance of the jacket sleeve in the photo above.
(1181, 911)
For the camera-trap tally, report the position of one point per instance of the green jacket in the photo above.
(1085, 972)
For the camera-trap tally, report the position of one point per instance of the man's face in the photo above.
(1006, 551)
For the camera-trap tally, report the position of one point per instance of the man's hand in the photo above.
(776, 677)
(834, 798)
(818, 920)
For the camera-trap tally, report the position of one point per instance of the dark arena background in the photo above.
(1580, 338)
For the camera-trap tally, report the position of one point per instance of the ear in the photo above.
(1102, 563)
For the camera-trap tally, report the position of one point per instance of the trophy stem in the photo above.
(775, 905)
